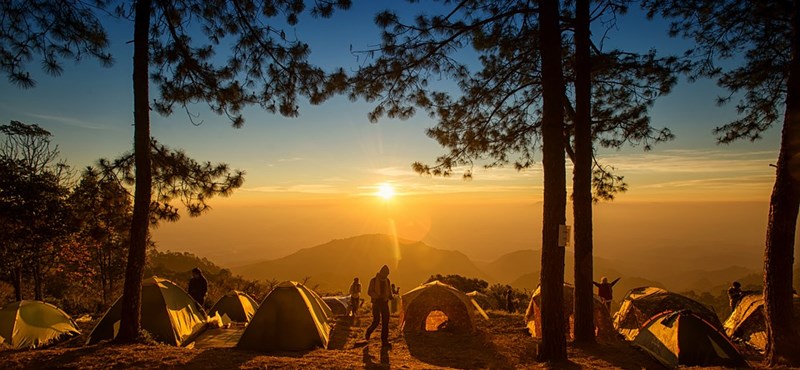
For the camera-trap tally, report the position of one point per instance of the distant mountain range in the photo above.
(333, 265)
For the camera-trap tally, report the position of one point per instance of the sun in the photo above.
(385, 191)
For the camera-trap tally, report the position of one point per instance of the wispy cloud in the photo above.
(719, 183)
(692, 161)
(298, 188)
(69, 121)
(292, 159)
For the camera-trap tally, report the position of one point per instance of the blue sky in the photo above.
(333, 149)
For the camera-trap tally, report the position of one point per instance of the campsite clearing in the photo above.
(501, 342)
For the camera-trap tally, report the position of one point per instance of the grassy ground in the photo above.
(502, 342)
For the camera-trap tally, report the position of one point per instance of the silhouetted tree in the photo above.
(461, 283)
(497, 119)
(103, 209)
(553, 346)
(582, 177)
(264, 68)
(32, 202)
(760, 44)
(174, 176)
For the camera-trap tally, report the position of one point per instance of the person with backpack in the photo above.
(380, 291)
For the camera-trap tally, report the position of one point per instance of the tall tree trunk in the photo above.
(582, 179)
(16, 281)
(553, 346)
(132, 291)
(783, 343)
(37, 281)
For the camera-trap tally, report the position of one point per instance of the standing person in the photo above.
(380, 290)
(355, 297)
(198, 286)
(735, 294)
(606, 290)
(509, 300)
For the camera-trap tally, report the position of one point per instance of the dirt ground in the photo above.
(500, 343)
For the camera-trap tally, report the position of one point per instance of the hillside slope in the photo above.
(333, 265)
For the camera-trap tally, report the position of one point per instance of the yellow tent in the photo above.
(421, 301)
(682, 338)
(604, 328)
(169, 314)
(291, 318)
(236, 306)
(746, 322)
(34, 324)
(640, 304)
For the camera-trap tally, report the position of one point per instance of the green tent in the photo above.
(169, 314)
(682, 338)
(291, 318)
(640, 304)
(34, 324)
(236, 305)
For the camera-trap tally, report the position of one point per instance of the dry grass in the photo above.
(500, 343)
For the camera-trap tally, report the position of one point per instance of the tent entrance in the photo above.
(436, 321)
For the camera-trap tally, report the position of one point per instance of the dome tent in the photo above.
(683, 338)
(640, 304)
(604, 328)
(33, 324)
(338, 305)
(421, 301)
(746, 322)
(291, 317)
(169, 314)
(237, 306)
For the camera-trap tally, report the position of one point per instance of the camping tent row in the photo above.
(291, 317)
(674, 329)
(31, 324)
(746, 322)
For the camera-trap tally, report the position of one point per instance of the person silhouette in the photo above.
(380, 291)
(606, 290)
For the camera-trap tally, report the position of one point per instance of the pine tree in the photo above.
(264, 68)
(762, 39)
(497, 118)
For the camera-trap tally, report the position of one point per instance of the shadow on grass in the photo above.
(456, 350)
(220, 358)
(340, 333)
(369, 360)
(619, 354)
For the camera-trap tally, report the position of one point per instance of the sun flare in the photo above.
(385, 191)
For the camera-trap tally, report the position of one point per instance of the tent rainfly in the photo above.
(291, 317)
(169, 314)
(421, 301)
(746, 322)
(604, 328)
(338, 305)
(682, 338)
(640, 304)
(235, 306)
(31, 324)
